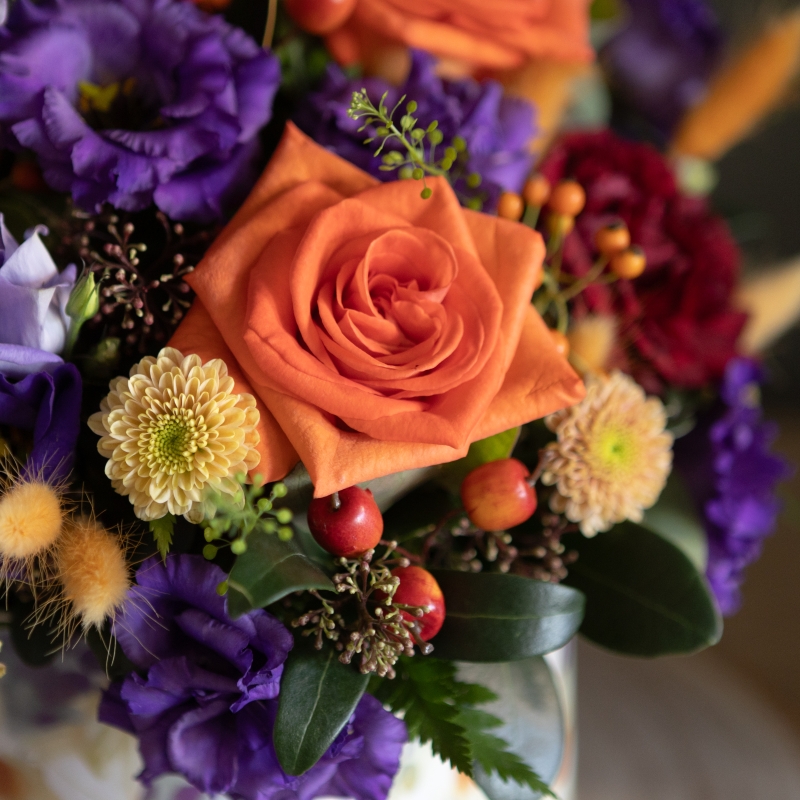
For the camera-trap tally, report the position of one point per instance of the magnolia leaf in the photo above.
(162, 533)
(497, 617)
(269, 570)
(643, 595)
(318, 696)
(674, 518)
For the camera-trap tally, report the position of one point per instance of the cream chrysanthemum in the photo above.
(612, 457)
(174, 433)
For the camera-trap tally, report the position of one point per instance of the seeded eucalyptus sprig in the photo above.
(248, 511)
(419, 144)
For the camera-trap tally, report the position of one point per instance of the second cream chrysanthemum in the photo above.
(612, 457)
(174, 432)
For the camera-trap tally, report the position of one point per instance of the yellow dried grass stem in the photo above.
(743, 92)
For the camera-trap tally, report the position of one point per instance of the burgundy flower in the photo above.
(677, 322)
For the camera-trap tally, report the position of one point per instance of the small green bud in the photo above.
(435, 137)
(405, 173)
(258, 480)
(459, 144)
(84, 300)
(241, 477)
(222, 588)
(270, 526)
(446, 163)
(263, 505)
(210, 552)
(474, 180)
(433, 126)
(279, 490)
(238, 547)
(285, 534)
(426, 193)
(450, 152)
(407, 122)
(209, 534)
(284, 516)
(417, 174)
(382, 131)
(411, 106)
(475, 204)
(418, 134)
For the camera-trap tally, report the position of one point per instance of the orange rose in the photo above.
(468, 35)
(380, 331)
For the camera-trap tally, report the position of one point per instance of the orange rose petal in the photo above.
(479, 34)
(198, 334)
(538, 382)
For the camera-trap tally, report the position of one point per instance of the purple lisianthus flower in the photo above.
(497, 129)
(733, 477)
(33, 294)
(41, 394)
(204, 698)
(135, 101)
(660, 62)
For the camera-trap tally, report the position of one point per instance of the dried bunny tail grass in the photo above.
(92, 577)
(33, 509)
(743, 92)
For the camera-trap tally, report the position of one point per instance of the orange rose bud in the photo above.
(568, 198)
(320, 17)
(497, 496)
(536, 190)
(560, 341)
(612, 238)
(346, 523)
(559, 224)
(629, 264)
(419, 588)
(510, 206)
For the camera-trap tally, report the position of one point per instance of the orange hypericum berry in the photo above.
(629, 264)
(559, 224)
(419, 588)
(568, 198)
(612, 238)
(510, 206)
(347, 523)
(536, 191)
(26, 176)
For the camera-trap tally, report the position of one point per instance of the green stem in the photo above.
(590, 277)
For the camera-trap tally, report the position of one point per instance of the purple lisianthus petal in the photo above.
(199, 90)
(33, 294)
(47, 403)
(659, 64)
(203, 747)
(497, 129)
(205, 699)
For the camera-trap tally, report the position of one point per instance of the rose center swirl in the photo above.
(171, 438)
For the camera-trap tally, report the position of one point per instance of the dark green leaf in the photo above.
(497, 617)
(492, 752)
(643, 595)
(162, 533)
(674, 517)
(422, 508)
(492, 448)
(429, 696)
(318, 696)
(268, 571)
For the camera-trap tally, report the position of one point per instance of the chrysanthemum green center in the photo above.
(615, 451)
(171, 439)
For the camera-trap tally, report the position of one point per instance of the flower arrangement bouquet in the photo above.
(446, 385)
